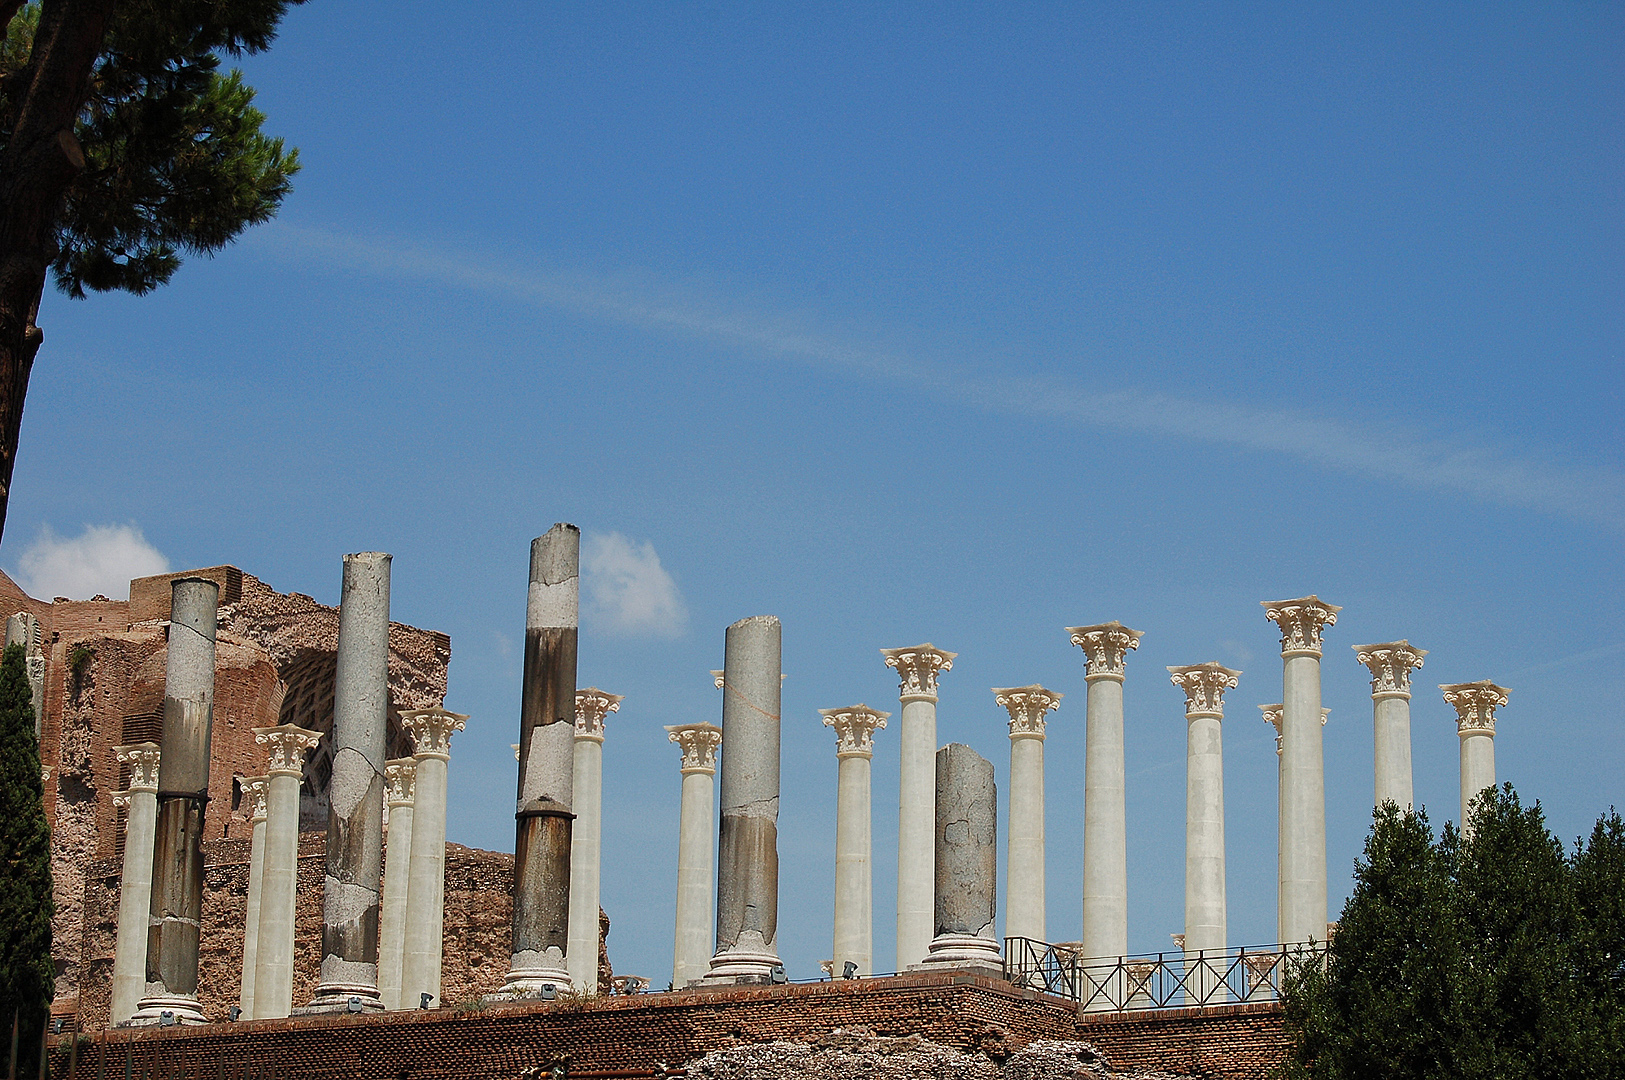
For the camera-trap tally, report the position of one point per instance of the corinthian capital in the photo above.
(854, 729)
(1391, 664)
(592, 705)
(255, 789)
(287, 746)
(1204, 686)
(1104, 645)
(1301, 622)
(1475, 704)
(142, 758)
(1273, 715)
(432, 730)
(917, 669)
(699, 744)
(401, 775)
(1027, 706)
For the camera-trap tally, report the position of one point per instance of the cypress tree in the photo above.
(26, 970)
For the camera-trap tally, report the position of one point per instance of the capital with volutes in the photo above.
(287, 746)
(432, 730)
(1204, 686)
(1301, 621)
(1105, 647)
(1027, 706)
(142, 758)
(1274, 714)
(254, 789)
(1475, 704)
(854, 729)
(699, 743)
(917, 670)
(400, 776)
(1391, 664)
(592, 706)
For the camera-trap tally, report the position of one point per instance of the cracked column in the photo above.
(432, 730)
(586, 842)
(140, 803)
(1391, 663)
(967, 860)
(917, 671)
(1105, 834)
(253, 788)
(691, 956)
(748, 847)
(183, 791)
(399, 775)
(854, 868)
(541, 886)
(1475, 704)
(279, 881)
(1024, 896)
(355, 818)
(1303, 771)
(1205, 923)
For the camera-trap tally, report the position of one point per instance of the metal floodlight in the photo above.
(354, 1005)
(777, 974)
(56, 1026)
(549, 992)
(424, 999)
(236, 1011)
(166, 1019)
(849, 970)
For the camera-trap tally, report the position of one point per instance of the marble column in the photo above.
(586, 842)
(967, 859)
(254, 790)
(183, 792)
(1303, 770)
(140, 803)
(748, 842)
(541, 887)
(917, 671)
(399, 775)
(432, 730)
(1272, 716)
(691, 955)
(279, 882)
(1205, 921)
(351, 894)
(854, 869)
(1475, 704)
(1105, 831)
(1024, 895)
(1391, 663)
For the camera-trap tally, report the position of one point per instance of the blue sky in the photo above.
(957, 324)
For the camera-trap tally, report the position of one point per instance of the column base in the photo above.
(182, 1009)
(534, 976)
(342, 997)
(740, 967)
(963, 952)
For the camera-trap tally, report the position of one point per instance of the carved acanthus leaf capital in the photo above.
(854, 729)
(287, 746)
(121, 799)
(1027, 706)
(1475, 704)
(1204, 686)
(1301, 622)
(142, 758)
(699, 744)
(1391, 664)
(432, 730)
(401, 775)
(254, 789)
(592, 706)
(1274, 714)
(716, 677)
(917, 669)
(1105, 645)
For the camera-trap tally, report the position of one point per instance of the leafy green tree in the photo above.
(123, 146)
(26, 970)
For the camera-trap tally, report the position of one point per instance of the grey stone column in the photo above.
(547, 720)
(691, 955)
(1475, 705)
(748, 845)
(351, 893)
(967, 861)
(400, 775)
(586, 841)
(183, 792)
(279, 884)
(421, 952)
(254, 790)
(1024, 895)
(1391, 663)
(854, 865)
(140, 803)
(1205, 912)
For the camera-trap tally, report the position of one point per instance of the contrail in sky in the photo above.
(1485, 474)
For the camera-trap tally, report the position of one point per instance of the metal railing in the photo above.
(1168, 980)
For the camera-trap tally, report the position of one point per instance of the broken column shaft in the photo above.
(967, 818)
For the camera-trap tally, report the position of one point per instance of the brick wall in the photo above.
(1243, 1040)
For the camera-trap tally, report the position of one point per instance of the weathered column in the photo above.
(1272, 716)
(279, 881)
(917, 671)
(1303, 770)
(854, 868)
(355, 818)
(586, 841)
(1024, 896)
(1391, 663)
(541, 885)
(1205, 924)
(691, 956)
(748, 846)
(1105, 831)
(399, 775)
(253, 788)
(183, 792)
(967, 861)
(1475, 704)
(140, 805)
(432, 730)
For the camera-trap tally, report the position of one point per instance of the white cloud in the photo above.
(101, 560)
(629, 594)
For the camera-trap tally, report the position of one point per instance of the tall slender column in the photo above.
(965, 836)
(399, 775)
(1475, 704)
(748, 841)
(254, 802)
(140, 805)
(183, 792)
(1391, 663)
(1205, 922)
(854, 869)
(1024, 896)
(432, 730)
(279, 881)
(541, 884)
(1105, 831)
(586, 842)
(1303, 769)
(1272, 716)
(917, 671)
(692, 954)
